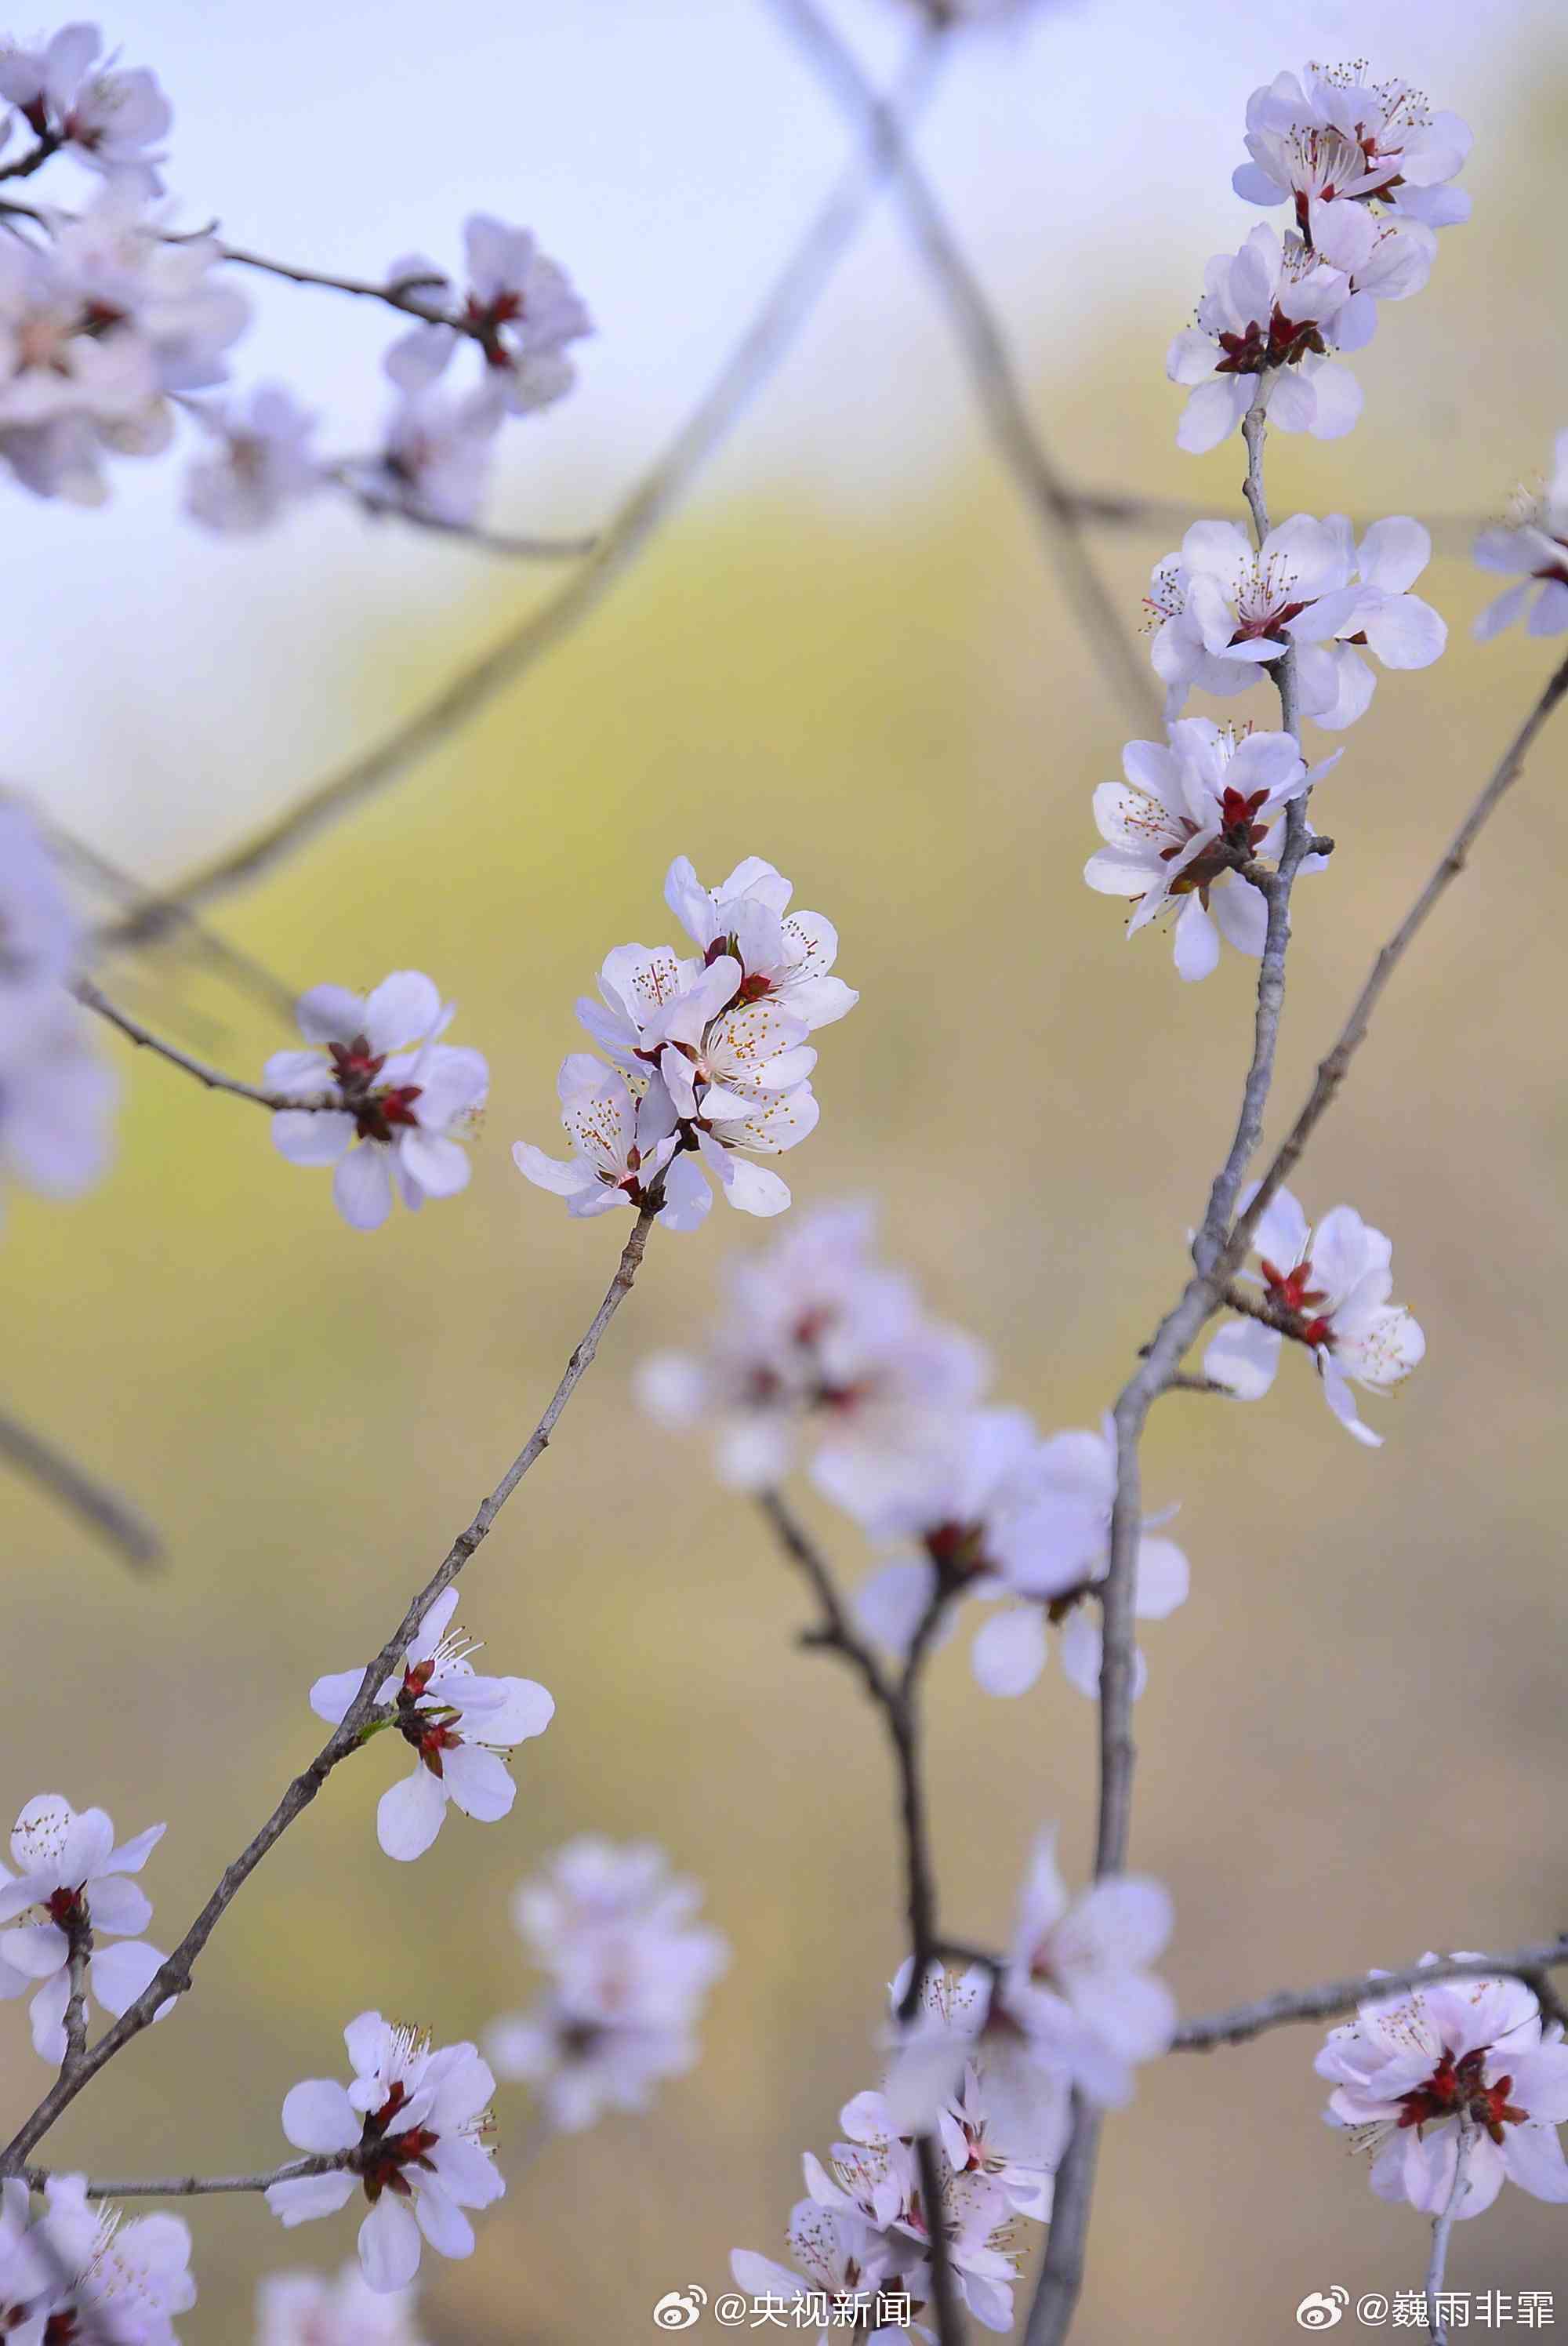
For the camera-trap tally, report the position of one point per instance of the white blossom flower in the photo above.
(458, 1724)
(651, 994)
(106, 2278)
(262, 462)
(1182, 818)
(1225, 610)
(1268, 318)
(1533, 544)
(987, 2127)
(1329, 139)
(410, 2130)
(56, 1101)
(436, 454)
(784, 956)
(520, 307)
(40, 933)
(874, 2180)
(846, 2268)
(1330, 1290)
(72, 1875)
(1411, 2065)
(110, 117)
(629, 1970)
(626, 1148)
(406, 1096)
(301, 2309)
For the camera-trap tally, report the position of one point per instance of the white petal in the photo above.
(389, 2245)
(409, 1814)
(317, 2116)
(305, 2196)
(1244, 1355)
(479, 1782)
(362, 1186)
(1009, 1653)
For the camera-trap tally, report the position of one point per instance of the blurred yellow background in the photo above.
(1354, 1740)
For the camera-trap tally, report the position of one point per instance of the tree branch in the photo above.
(114, 1518)
(173, 1978)
(993, 370)
(1244, 2021)
(770, 333)
(89, 996)
(197, 2187)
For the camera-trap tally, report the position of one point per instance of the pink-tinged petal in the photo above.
(1541, 2081)
(409, 1815)
(1533, 2158)
(329, 1013)
(1195, 941)
(305, 2196)
(119, 1975)
(389, 2245)
(1212, 412)
(362, 1186)
(1245, 1356)
(403, 1009)
(319, 2117)
(1010, 1651)
(479, 1781)
(331, 1696)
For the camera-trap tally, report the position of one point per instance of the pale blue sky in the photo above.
(164, 686)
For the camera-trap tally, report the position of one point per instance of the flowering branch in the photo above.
(770, 335)
(1442, 2226)
(1244, 2021)
(173, 1977)
(90, 997)
(992, 368)
(127, 1532)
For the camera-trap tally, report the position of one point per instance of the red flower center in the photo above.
(1457, 2088)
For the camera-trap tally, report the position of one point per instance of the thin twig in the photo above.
(173, 1978)
(1290, 2005)
(773, 331)
(1437, 2329)
(91, 999)
(994, 373)
(197, 2187)
(486, 541)
(115, 1519)
(834, 1632)
(79, 1949)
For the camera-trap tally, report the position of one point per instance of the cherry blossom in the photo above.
(1268, 320)
(405, 1097)
(848, 2265)
(1409, 2067)
(1329, 139)
(410, 2130)
(436, 455)
(57, 1103)
(629, 1970)
(1327, 1289)
(1186, 814)
(985, 2126)
(520, 307)
(784, 956)
(71, 1876)
(817, 1339)
(104, 2277)
(301, 2309)
(625, 1146)
(458, 1725)
(261, 466)
(873, 2178)
(1227, 610)
(1533, 545)
(108, 116)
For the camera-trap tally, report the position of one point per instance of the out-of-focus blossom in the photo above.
(110, 115)
(102, 2277)
(261, 463)
(436, 455)
(519, 306)
(1532, 545)
(301, 2309)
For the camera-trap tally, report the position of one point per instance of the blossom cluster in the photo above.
(71, 1887)
(458, 1724)
(710, 1062)
(986, 2066)
(628, 1970)
(389, 1103)
(1365, 168)
(819, 1342)
(79, 2270)
(55, 1096)
(112, 323)
(410, 2130)
(1414, 2071)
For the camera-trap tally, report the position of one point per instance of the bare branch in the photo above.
(993, 372)
(770, 333)
(90, 997)
(79, 1948)
(1244, 2021)
(173, 1978)
(197, 2187)
(114, 1518)
(834, 1633)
